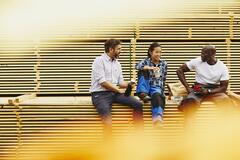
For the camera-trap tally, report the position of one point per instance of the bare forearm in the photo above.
(146, 68)
(182, 78)
(150, 68)
(123, 85)
(222, 89)
(110, 87)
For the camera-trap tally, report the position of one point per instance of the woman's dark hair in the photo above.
(151, 48)
(111, 43)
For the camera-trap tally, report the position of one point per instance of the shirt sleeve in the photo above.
(165, 71)
(225, 74)
(98, 71)
(192, 64)
(141, 64)
(120, 79)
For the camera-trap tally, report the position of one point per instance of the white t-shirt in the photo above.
(208, 74)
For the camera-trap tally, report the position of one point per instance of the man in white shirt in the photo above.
(211, 81)
(106, 79)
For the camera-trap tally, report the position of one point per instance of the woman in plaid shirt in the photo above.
(152, 73)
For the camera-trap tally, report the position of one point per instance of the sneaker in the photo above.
(144, 97)
(158, 123)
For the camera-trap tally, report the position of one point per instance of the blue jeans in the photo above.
(103, 102)
(156, 94)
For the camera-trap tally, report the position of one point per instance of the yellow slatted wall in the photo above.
(60, 63)
(63, 65)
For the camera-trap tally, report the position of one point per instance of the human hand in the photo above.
(189, 89)
(205, 92)
(151, 68)
(121, 91)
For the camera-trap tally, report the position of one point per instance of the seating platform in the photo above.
(44, 121)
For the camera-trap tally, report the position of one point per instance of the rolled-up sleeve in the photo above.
(98, 71)
(140, 65)
(165, 71)
(120, 79)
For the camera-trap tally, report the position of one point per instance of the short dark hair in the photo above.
(111, 43)
(151, 48)
(209, 48)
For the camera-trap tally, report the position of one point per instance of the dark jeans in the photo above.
(103, 102)
(192, 102)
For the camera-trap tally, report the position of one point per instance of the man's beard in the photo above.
(116, 56)
(204, 59)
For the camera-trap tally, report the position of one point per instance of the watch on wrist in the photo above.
(209, 90)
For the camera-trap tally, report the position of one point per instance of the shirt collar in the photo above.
(152, 61)
(108, 58)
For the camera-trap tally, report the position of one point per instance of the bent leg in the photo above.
(158, 104)
(189, 106)
(133, 103)
(103, 104)
(143, 88)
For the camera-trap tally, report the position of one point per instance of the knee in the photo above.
(222, 99)
(156, 95)
(220, 96)
(138, 105)
(188, 104)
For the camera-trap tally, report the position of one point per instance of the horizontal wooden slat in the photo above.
(60, 63)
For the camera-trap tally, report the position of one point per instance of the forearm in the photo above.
(110, 87)
(123, 84)
(220, 89)
(148, 68)
(182, 78)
